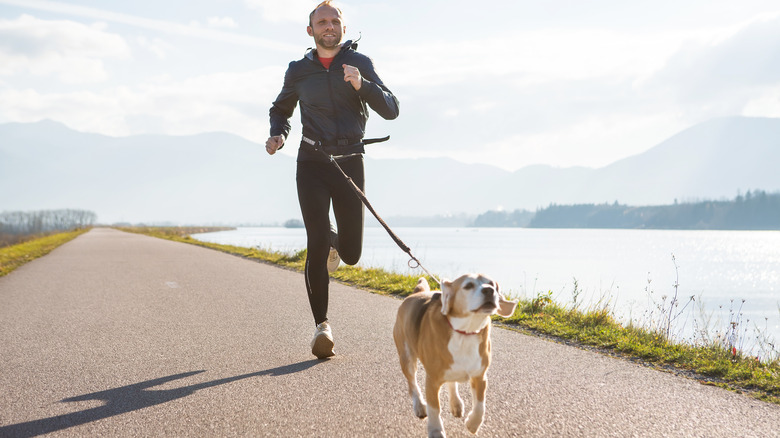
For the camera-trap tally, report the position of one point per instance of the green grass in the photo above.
(11, 257)
(710, 364)
(376, 280)
(595, 327)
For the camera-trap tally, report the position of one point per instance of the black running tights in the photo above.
(319, 185)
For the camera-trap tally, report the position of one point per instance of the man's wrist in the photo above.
(364, 86)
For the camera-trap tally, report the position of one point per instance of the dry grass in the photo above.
(11, 257)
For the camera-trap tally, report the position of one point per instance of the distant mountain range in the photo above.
(219, 178)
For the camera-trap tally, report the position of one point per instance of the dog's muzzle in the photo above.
(489, 292)
(489, 299)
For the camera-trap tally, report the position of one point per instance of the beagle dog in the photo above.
(449, 332)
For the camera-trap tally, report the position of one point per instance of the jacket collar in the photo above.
(346, 46)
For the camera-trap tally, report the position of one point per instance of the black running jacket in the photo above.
(331, 110)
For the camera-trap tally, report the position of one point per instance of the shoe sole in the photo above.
(323, 347)
(333, 260)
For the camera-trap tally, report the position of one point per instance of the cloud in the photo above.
(156, 46)
(577, 95)
(296, 11)
(216, 23)
(72, 52)
(765, 105)
(167, 27)
(230, 102)
(584, 142)
(531, 57)
(724, 74)
(223, 22)
(82, 109)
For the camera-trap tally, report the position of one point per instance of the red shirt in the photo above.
(326, 62)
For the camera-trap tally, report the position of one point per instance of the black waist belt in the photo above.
(342, 142)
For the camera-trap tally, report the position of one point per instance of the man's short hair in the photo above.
(324, 3)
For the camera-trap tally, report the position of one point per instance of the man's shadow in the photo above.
(132, 398)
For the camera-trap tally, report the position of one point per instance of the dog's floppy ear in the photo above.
(447, 296)
(506, 308)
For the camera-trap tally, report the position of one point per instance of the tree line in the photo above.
(757, 210)
(517, 218)
(17, 226)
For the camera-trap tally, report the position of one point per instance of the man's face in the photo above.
(326, 27)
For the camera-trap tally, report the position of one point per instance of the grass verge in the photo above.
(595, 328)
(11, 257)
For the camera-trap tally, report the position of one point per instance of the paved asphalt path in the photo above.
(117, 334)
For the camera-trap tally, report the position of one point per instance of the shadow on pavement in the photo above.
(132, 398)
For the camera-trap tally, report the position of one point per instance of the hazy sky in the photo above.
(509, 83)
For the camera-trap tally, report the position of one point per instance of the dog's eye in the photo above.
(468, 286)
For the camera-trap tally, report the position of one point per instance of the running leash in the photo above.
(413, 263)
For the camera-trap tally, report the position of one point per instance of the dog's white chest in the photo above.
(467, 362)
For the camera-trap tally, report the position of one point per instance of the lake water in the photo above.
(632, 270)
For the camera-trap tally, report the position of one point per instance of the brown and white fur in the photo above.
(449, 332)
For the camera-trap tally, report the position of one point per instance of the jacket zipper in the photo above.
(333, 101)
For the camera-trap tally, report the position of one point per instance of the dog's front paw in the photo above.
(474, 421)
(420, 408)
(435, 429)
(436, 433)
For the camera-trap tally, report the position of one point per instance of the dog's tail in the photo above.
(422, 285)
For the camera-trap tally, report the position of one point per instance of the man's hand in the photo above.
(352, 75)
(273, 144)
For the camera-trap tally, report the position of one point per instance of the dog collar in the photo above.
(462, 331)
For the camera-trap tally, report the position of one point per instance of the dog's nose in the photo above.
(488, 291)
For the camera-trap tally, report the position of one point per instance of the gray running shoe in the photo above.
(333, 256)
